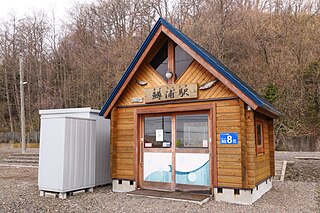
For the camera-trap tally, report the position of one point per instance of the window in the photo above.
(160, 61)
(259, 137)
(157, 132)
(182, 60)
(192, 131)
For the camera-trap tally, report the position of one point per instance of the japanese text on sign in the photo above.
(229, 138)
(171, 92)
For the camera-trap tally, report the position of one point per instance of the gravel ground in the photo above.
(19, 193)
(290, 156)
(303, 170)
(5, 150)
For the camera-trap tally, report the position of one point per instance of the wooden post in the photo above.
(214, 145)
(171, 64)
(173, 147)
(113, 136)
(244, 153)
(136, 147)
(23, 119)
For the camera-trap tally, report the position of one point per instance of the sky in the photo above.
(22, 7)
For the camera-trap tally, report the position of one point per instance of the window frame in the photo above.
(171, 59)
(191, 114)
(259, 148)
(175, 71)
(154, 58)
(152, 116)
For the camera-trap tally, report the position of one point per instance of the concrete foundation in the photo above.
(63, 195)
(238, 196)
(123, 185)
(242, 196)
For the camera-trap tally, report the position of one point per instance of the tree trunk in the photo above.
(8, 99)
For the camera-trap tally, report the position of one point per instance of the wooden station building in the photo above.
(181, 120)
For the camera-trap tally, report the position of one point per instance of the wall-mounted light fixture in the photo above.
(169, 74)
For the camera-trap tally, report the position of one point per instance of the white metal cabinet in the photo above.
(74, 149)
(67, 154)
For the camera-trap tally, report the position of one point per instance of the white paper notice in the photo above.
(147, 145)
(159, 134)
(204, 143)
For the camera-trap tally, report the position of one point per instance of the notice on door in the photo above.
(159, 134)
(204, 143)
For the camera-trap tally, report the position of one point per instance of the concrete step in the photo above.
(19, 165)
(276, 178)
(26, 154)
(280, 170)
(24, 157)
(25, 161)
(21, 160)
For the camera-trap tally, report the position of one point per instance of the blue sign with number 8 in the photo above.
(228, 138)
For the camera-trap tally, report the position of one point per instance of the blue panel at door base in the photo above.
(228, 138)
(199, 176)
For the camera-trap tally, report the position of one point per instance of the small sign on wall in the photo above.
(137, 100)
(228, 138)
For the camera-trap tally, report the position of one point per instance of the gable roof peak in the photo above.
(246, 93)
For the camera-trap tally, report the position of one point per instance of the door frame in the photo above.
(148, 184)
(138, 158)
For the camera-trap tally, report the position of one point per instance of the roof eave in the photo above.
(129, 69)
(270, 113)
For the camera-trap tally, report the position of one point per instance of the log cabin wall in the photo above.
(229, 155)
(230, 164)
(262, 159)
(122, 143)
(251, 148)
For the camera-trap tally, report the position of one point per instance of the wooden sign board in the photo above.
(171, 92)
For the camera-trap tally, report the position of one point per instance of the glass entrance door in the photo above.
(175, 151)
(192, 150)
(157, 152)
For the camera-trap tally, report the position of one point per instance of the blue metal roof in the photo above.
(221, 68)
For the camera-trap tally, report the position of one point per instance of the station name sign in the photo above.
(171, 92)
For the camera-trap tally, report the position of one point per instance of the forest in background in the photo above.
(273, 45)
